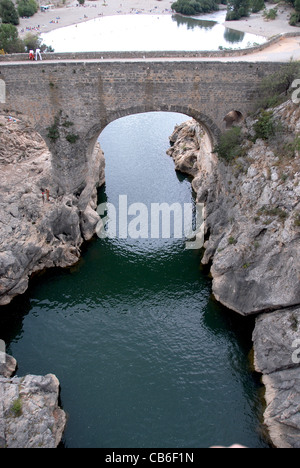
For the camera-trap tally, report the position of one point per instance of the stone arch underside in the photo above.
(208, 124)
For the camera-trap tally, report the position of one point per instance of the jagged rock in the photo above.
(39, 229)
(187, 137)
(277, 357)
(29, 412)
(8, 365)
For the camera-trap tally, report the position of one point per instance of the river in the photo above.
(145, 355)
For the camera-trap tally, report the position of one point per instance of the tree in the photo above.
(257, 5)
(194, 7)
(33, 41)
(237, 8)
(9, 39)
(8, 13)
(27, 7)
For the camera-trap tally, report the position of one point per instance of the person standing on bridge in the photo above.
(38, 54)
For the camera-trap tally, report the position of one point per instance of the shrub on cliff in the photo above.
(229, 144)
(264, 127)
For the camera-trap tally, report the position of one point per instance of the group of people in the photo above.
(45, 193)
(35, 56)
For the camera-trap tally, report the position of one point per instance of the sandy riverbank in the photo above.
(256, 23)
(73, 13)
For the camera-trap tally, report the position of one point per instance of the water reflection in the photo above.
(192, 23)
(232, 36)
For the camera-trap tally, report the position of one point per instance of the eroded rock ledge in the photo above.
(29, 413)
(39, 226)
(252, 226)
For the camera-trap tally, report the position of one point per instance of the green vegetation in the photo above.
(16, 407)
(276, 88)
(60, 126)
(297, 220)
(53, 132)
(272, 211)
(9, 39)
(10, 42)
(265, 126)
(229, 144)
(270, 14)
(290, 148)
(194, 7)
(8, 12)
(257, 5)
(236, 9)
(27, 7)
(72, 138)
(295, 17)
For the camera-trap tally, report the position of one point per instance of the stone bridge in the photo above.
(70, 101)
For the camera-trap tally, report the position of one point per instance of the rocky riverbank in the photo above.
(40, 227)
(252, 215)
(29, 413)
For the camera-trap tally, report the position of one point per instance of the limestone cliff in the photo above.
(252, 225)
(40, 227)
(29, 413)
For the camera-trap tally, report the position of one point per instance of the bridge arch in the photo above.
(207, 123)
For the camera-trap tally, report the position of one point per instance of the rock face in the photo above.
(29, 413)
(252, 226)
(277, 357)
(40, 227)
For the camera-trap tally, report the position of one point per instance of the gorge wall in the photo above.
(39, 227)
(252, 214)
